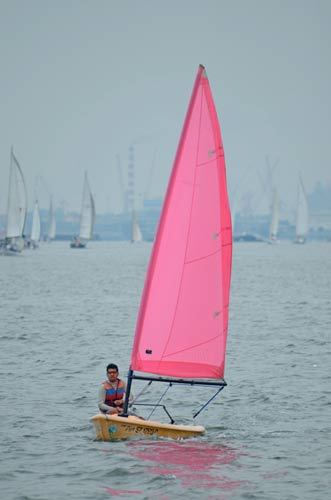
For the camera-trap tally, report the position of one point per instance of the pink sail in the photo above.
(183, 318)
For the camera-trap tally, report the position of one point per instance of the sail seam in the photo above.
(193, 346)
(198, 259)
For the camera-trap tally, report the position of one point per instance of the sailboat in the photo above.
(302, 215)
(36, 226)
(16, 209)
(51, 231)
(181, 330)
(136, 236)
(87, 218)
(274, 223)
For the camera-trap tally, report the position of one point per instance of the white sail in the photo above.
(51, 222)
(36, 224)
(17, 200)
(136, 232)
(302, 219)
(274, 223)
(87, 213)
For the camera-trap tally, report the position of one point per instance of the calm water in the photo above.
(66, 313)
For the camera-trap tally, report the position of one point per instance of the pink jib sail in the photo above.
(183, 318)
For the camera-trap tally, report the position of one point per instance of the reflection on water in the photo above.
(191, 464)
(195, 464)
(196, 456)
(120, 493)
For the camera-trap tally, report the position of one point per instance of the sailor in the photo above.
(112, 392)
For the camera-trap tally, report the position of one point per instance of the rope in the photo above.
(158, 403)
(206, 404)
(140, 393)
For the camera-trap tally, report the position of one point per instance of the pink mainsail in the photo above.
(183, 318)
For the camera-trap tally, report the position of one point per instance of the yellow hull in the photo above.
(109, 427)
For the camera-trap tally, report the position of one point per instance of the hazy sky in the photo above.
(83, 80)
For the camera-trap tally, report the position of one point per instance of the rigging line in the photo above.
(158, 403)
(210, 400)
(140, 393)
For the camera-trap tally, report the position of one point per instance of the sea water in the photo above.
(66, 313)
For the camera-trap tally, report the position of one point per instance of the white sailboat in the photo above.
(16, 209)
(36, 226)
(302, 216)
(51, 223)
(136, 236)
(274, 222)
(87, 218)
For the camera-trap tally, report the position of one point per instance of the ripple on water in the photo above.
(268, 432)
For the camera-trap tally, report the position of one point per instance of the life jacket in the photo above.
(113, 393)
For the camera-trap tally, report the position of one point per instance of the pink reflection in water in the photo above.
(275, 475)
(195, 456)
(200, 480)
(120, 493)
(195, 464)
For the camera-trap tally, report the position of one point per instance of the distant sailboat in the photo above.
(182, 325)
(86, 219)
(36, 226)
(274, 223)
(136, 236)
(302, 216)
(51, 231)
(16, 209)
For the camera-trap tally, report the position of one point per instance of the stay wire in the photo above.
(158, 403)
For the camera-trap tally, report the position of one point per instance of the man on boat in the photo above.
(112, 392)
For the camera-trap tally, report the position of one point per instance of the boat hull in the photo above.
(13, 247)
(112, 427)
(78, 245)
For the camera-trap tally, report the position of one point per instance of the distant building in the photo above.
(152, 203)
(320, 220)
